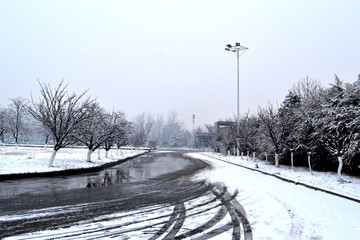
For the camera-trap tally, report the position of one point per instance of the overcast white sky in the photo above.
(161, 56)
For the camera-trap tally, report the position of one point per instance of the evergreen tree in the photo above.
(334, 123)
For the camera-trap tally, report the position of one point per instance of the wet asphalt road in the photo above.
(154, 178)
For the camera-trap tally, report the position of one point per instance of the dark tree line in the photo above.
(314, 126)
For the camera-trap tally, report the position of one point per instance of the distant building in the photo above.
(221, 124)
(152, 145)
(202, 139)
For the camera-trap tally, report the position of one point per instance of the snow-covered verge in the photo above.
(277, 209)
(350, 186)
(20, 160)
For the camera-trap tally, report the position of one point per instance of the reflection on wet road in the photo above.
(138, 169)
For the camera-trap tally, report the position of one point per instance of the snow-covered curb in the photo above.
(323, 181)
(26, 161)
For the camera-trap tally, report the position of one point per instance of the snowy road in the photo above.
(166, 206)
(222, 202)
(281, 210)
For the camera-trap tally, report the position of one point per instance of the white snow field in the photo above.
(282, 210)
(17, 160)
(350, 186)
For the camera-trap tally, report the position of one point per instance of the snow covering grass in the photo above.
(17, 160)
(350, 186)
(280, 210)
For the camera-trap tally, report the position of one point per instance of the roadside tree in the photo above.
(335, 124)
(272, 129)
(2, 123)
(142, 126)
(91, 132)
(16, 117)
(289, 116)
(115, 127)
(60, 113)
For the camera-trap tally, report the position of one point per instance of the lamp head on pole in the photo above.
(236, 48)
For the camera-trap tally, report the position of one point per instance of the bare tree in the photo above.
(2, 123)
(157, 129)
(91, 132)
(142, 124)
(60, 113)
(251, 138)
(115, 125)
(309, 90)
(16, 114)
(272, 129)
(172, 130)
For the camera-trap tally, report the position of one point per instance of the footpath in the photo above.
(348, 188)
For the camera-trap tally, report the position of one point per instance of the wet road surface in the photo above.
(158, 181)
(139, 169)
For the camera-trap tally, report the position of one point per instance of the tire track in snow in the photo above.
(168, 225)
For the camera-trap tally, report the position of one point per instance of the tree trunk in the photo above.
(254, 157)
(238, 148)
(88, 157)
(46, 142)
(52, 158)
(266, 160)
(292, 160)
(309, 162)
(106, 153)
(99, 154)
(340, 158)
(276, 159)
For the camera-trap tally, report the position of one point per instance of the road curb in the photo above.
(67, 171)
(287, 180)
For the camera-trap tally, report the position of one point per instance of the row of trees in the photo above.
(314, 126)
(13, 119)
(169, 132)
(67, 119)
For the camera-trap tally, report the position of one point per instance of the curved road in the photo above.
(150, 197)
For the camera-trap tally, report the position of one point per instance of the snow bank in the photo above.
(280, 210)
(350, 186)
(36, 159)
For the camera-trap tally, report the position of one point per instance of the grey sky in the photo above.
(161, 56)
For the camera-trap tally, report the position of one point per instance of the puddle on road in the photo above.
(139, 169)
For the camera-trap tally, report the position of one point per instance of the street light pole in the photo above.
(238, 89)
(237, 49)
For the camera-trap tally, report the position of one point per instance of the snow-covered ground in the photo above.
(282, 210)
(350, 186)
(36, 159)
(275, 209)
